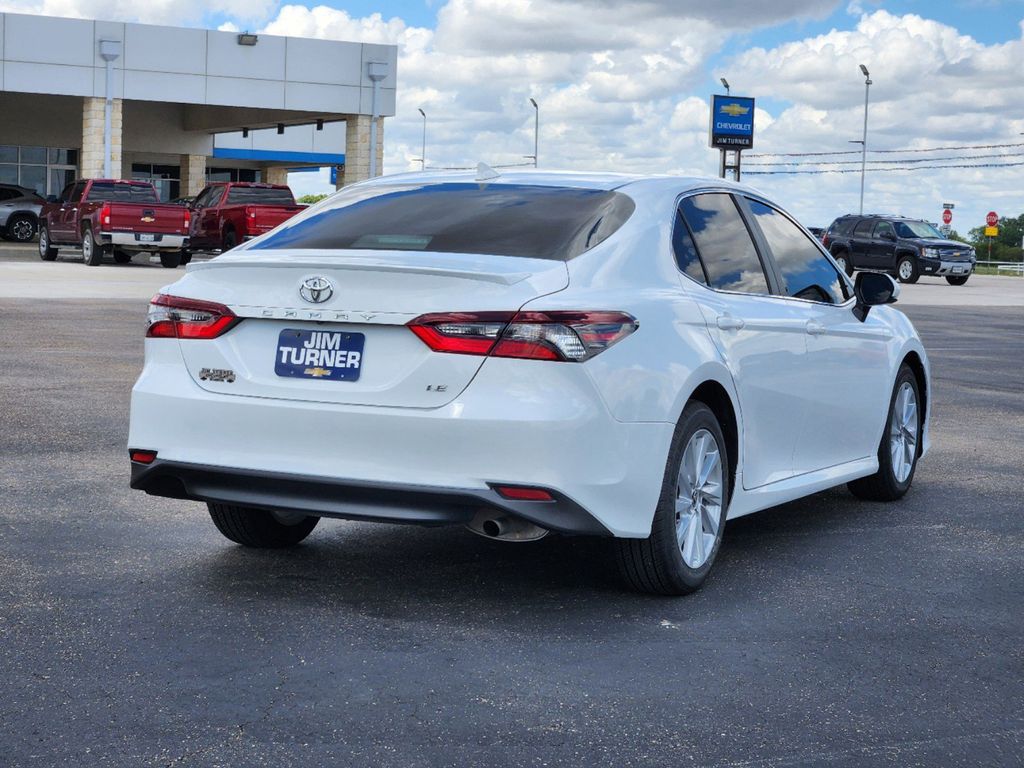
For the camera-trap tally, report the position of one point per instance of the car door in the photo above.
(205, 221)
(761, 339)
(63, 220)
(844, 396)
(883, 246)
(860, 244)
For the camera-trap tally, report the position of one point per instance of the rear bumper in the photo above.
(131, 241)
(353, 500)
(534, 424)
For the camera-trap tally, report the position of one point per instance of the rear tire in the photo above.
(688, 523)
(894, 475)
(46, 251)
(92, 252)
(843, 261)
(906, 269)
(170, 259)
(956, 279)
(229, 241)
(21, 228)
(186, 257)
(122, 257)
(259, 528)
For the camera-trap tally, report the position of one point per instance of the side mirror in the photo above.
(871, 290)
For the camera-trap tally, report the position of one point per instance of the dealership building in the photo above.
(187, 106)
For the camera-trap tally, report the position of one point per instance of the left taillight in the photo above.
(557, 336)
(105, 215)
(173, 317)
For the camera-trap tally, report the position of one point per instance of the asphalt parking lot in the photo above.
(833, 631)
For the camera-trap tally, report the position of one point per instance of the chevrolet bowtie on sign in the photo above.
(732, 122)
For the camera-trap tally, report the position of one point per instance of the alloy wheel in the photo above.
(699, 498)
(906, 269)
(22, 230)
(44, 241)
(903, 432)
(87, 247)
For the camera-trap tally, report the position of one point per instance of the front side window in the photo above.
(77, 191)
(555, 223)
(723, 242)
(806, 273)
(882, 229)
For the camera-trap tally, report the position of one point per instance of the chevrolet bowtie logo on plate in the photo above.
(734, 110)
(317, 372)
(316, 290)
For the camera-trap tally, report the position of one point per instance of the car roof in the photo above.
(582, 179)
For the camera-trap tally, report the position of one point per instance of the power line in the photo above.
(888, 162)
(886, 151)
(882, 170)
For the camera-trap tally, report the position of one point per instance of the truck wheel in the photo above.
(186, 257)
(843, 261)
(170, 259)
(92, 252)
(21, 228)
(906, 269)
(46, 251)
(229, 241)
(122, 257)
(956, 279)
(261, 528)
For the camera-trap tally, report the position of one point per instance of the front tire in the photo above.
(229, 241)
(260, 528)
(46, 251)
(688, 523)
(92, 252)
(843, 262)
(900, 444)
(21, 228)
(906, 269)
(956, 279)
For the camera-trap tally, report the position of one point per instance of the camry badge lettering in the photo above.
(316, 290)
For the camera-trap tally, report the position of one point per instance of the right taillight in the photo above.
(558, 335)
(174, 317)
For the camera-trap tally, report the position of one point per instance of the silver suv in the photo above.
(19, 212)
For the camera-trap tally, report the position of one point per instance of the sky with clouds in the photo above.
(624, 85)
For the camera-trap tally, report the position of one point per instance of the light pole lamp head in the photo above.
(865, 71)
(534, 103)
(376, 70)
(110, 50)
(420, 110)
(725, 84)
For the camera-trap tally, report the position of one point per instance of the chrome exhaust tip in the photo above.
(500, 527)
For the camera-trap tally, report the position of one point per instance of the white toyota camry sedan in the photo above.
(640, 358)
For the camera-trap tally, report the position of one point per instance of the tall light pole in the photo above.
(110, 51)
(864, 140)
(536, 130)
(423, 152)
(726, 84)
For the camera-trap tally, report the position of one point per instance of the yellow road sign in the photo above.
(991, 231)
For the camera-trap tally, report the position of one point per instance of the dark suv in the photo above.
(906, 248)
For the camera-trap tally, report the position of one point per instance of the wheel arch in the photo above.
(913, 360)
(714, 394)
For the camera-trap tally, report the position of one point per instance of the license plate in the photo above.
(328, 355)
(959, 270)
(147, 238)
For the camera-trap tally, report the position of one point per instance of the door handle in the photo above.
(730, 323)
(815, 328)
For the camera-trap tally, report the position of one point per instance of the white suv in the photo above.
(640, 358)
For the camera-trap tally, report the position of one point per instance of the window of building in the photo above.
(43, 169)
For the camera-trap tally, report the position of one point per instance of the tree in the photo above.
(310, 199)
(1007, 245)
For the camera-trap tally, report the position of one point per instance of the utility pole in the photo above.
(423, 152)
(864, 141)
(536, 130)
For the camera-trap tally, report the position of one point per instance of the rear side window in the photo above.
(806, 273)
(863, 229)
(259, 196)
(122, 192)
(555, 223)
(9, 194)
(842, 226)
(686, 252)
(723, 242)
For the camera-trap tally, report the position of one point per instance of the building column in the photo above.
(275, 174)
(357, 149)
(193, 175)
(91, 159)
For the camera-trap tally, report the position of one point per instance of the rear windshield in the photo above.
(122, 192)
(259, 196)
(556, 223)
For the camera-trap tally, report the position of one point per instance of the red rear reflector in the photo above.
(176, 317)
(142, 457)
(520, 493)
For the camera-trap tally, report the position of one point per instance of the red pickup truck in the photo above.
(228, 213)
(116, 216)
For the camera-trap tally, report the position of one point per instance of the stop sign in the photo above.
(947, 217)
(992, 219)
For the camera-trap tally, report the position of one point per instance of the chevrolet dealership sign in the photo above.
(732, 122)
